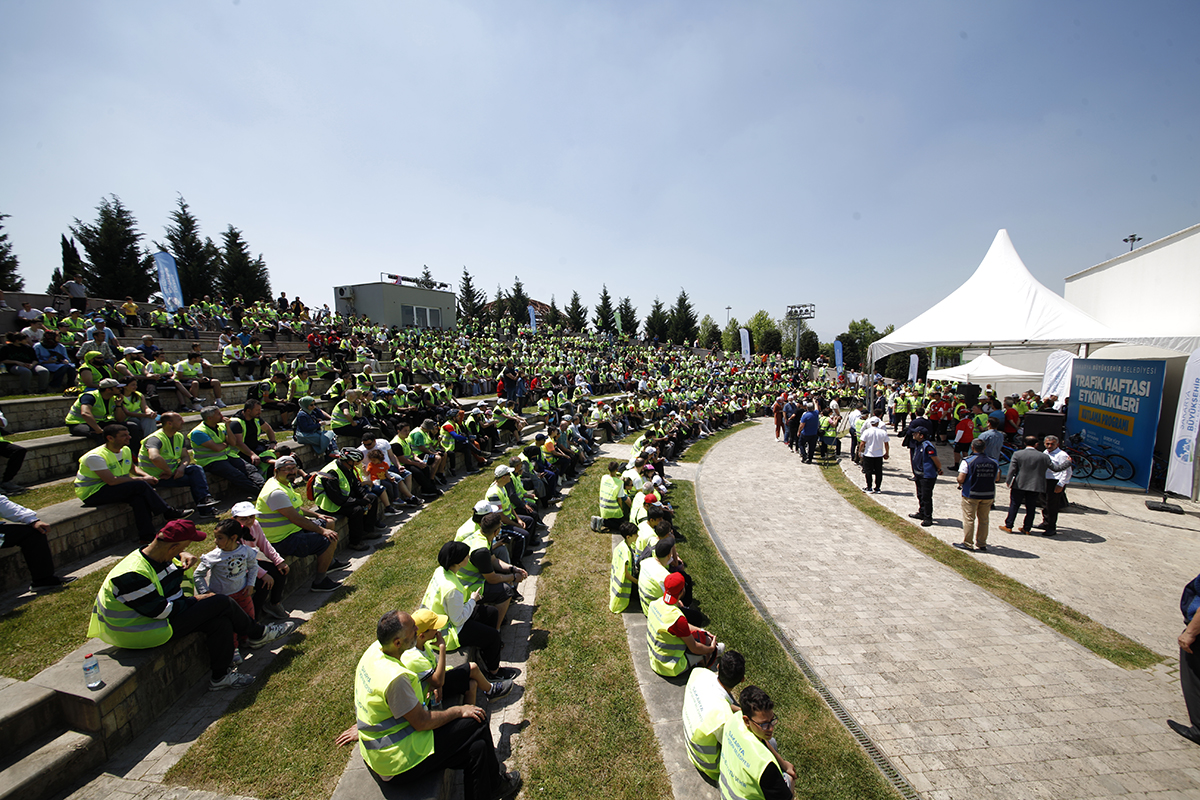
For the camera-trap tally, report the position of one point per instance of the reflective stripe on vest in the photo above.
(620, 585)
(666, 649)
(88, 482)
(119, 625)
(441, 584)
(323, 501)
(275, 526)
(610, 504)
(743, 760)
(389, 745)
(170, 449)
(205, 456)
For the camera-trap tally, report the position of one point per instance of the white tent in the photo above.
(1018, 312)
(983, 369)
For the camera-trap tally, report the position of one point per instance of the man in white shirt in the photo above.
(875, 450)
(1058, 475)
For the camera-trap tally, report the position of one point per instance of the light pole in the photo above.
(1131, 240)
(797, 313)
(727, 309)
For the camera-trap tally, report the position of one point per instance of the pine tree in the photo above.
(657, 325)
(241, 275)
(470, 300)
(10, 279)
(810, 345)
(553, 316)
(682, 324)
(629, 318)
(710, 333)
(577, 314)
(115, 265)
(500, 308)
(731, 337)
(426, 280)
(518, 303)
(72, 266)
(603, 321)
(197, 261)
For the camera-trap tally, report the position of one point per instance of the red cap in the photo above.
(673, 588)
(181, 530)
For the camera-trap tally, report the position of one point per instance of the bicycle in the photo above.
(1104, 465)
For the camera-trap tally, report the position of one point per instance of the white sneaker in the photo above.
(219, 403)
(232, 680)
(271, 632)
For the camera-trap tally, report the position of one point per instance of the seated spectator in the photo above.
(307, 427)
(216, 450)
(272, 567)
(674, 644)
(398, 733)
(190, 372)
(339, 491)
(750, 764)
(231, 569)
(107, 475)
(165, 456)
(707, 703)
(19, 358)
(294, 530)
(470, 623)
(52, 357)
(15, 457)
(26, 531)
(141, 604)
(95, 408)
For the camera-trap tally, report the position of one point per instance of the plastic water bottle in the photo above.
(91, 671)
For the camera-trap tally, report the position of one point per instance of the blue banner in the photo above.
(168, 281)
(1114, 411)
(532, 318)
(837, 355)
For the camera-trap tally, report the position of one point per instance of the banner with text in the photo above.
(745, 344)
(1181, 463)
(1114, 408)
(532, 318)
(168, 281)
(837, 356)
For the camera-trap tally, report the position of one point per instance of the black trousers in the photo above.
(140, 496)
(34, 548)
(16, 457)
(1017, 498)
(925, 496)
(480, 631)
(218, 618)
(873, 468)
(1054, 502)
(462, 744)
(260, 591)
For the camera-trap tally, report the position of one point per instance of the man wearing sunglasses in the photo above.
(750, 764)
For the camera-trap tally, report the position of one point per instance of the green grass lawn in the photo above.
(276, 739)
(829, 762)
(1103, 641)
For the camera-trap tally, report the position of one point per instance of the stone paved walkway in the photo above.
(968, 696)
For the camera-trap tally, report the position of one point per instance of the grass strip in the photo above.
(829, 762)
(276, 739)
(1101, 640)
(46, 494)
(590, 735)
(39, 434)
(697, 449)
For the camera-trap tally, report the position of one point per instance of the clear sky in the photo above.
(856, 155)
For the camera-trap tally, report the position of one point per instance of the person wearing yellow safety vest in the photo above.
(622, 581)
(674, 644)
(707, 703)
(141, 604)
(487, 569)
(97, 408)
(751, 767)
(164, 455)
(295, 530)
(469, 622)
(107, 475)
(399, 735)
(338, 490)
(190, 372)
(614, 504)
(497, 493)
(217, 450)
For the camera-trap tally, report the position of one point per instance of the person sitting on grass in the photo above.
(141, 604)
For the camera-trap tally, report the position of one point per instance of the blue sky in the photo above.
(859, 156)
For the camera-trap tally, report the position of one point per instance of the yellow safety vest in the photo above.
(705, 709)
(620, 585)
(650, 580)
(118, 624)
(744, 758)
(610, 492)
(88, 482)
(170, 449)
(323, 501)
(205, 456)
(668, 653)
(389, 745)
(101, 410)
(275, 526)
(441, 584)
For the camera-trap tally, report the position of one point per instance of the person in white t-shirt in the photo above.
(875, 449)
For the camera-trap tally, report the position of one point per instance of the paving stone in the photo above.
(960, 688)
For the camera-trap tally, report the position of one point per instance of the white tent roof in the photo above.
(983, 369)
(1018, 312)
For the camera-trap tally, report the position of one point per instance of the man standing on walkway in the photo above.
(1025, 470)
(875, 449)
(810, 431)
(1058, 475)
(926, 467)
(977, 477)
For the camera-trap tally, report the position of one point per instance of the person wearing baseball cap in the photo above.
(339, 491)
(497, 494)
(295, 530)
(427, 658)
(141, 604)
(674, 644)
(399, 735)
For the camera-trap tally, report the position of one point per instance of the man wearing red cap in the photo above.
(674, 644)
(141, 604)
